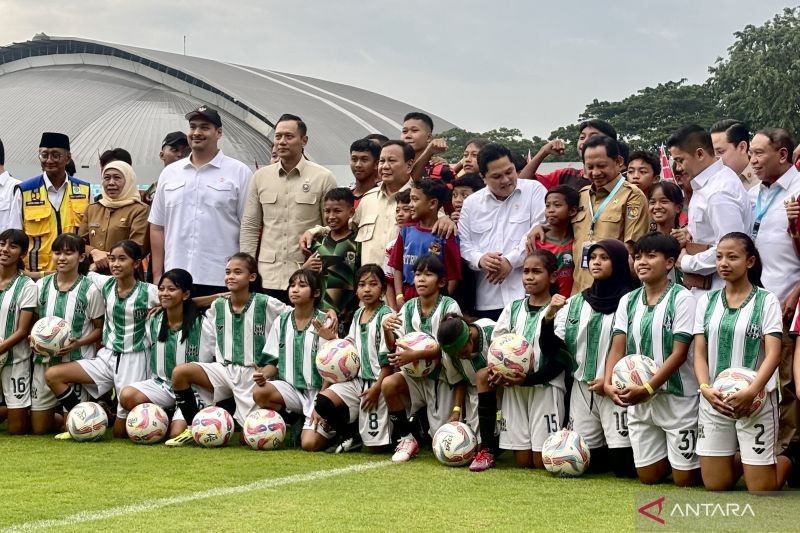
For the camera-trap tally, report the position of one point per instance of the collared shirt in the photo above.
(781, 265)
(55, 195)
(489, 224)
(749, 178)
(375, 220)
(624, 218)
(102, 227)
(201, 212)
(283, 204)
(719, 205)
(10, 211)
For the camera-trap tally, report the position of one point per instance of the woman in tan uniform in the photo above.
(119, 215)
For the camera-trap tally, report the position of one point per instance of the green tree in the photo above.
(759, 81)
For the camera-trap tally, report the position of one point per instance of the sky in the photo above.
(531, 65)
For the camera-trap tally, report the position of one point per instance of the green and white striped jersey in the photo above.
(468, 368)
(652, 329)
(367, 340)
(18, 296)
(413, 319)
(520, 318)
(174, 351)
(125, 318)
(294, 351)
(735, 337)
(78, 305)
(587, 336)
(238, 338)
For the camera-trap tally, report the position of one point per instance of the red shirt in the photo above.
(564, 176)
(566, 265)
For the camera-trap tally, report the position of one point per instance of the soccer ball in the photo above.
(510, 353)
(418, 340)
(564, 453)
(264, 429)
(87, 421)
(49, 335)
(212, 427)
(338, 361)
(633, 370)
(454, 444)
(147, 423)
(732, 380)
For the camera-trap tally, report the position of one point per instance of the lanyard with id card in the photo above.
(595, 216)
(761, 213)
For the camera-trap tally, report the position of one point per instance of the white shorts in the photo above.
(530, 415)
(15, 384)
(755, 437)
(108, 371)
(301, 402)
(373, 426)
(157, 391)
(597, 419)
(42, 398)
(232, 381)
(435, 396)
(664, 427)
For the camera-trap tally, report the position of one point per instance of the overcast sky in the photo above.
(533, 65)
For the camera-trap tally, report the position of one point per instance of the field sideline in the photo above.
(116, 485)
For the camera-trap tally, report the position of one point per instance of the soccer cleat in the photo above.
(63, 436)
(349, 445)
(484, 460)
(406, 449)
(185, 437)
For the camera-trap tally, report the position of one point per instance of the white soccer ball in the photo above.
(212, 427)
(633, 370)
(338, 361)
(264, 429)
(87, 421)
(418, 340)
(454, 444)
(732, 380)
(49, 335)
(510, 353)
(147, 423)
(564, 453)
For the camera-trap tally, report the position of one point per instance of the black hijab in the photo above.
(604, 295)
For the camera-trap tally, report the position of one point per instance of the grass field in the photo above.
(115, 485)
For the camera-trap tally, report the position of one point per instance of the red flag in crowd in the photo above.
(666, 168)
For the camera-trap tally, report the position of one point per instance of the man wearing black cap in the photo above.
(198, 206)
(174, 147)
(52, 203)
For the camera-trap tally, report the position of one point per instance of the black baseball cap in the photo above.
(176, 138)
(207, 113)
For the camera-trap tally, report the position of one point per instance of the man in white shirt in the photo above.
(10, 214)
(731, 140)
(198, 206)
(493, 226)
(771, 158)
(719, 203)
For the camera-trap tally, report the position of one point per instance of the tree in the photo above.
(457, 140)
(759, 82)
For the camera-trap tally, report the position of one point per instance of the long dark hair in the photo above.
(18, 237)
(70, 242)
(754, 272)
(252, 267)
(182, 280)
(550, 263)
(673, 193)
(133, 250)
(313, 281)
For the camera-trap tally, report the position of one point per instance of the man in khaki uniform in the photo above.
(284, 200)
(610, 208)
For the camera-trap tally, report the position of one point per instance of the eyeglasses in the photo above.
(55, 156)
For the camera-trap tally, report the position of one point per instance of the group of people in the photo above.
(254, 272)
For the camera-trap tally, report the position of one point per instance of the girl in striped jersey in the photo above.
(657, 321)
(423, 313)
(71, 295)
(532, 404)
(235, 328)
(123, 358)
(17, 307)
(289, 381)
(583, 326)
(360, 399)
(173, 337)
(739, 325)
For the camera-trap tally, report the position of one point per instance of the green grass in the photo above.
(44, 479)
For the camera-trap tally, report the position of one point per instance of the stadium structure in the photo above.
(107, 95)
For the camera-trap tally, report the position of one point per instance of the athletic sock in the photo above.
(400, 425)
(622, 462)
(599, 462)
(69, 398)
(487, 416)
(338, 418)
(186, 401)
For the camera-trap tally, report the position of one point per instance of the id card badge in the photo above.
(585, 254)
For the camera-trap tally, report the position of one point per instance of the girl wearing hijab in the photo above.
(583, 326)
(118, 216)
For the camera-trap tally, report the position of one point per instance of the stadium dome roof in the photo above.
(107, 95)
